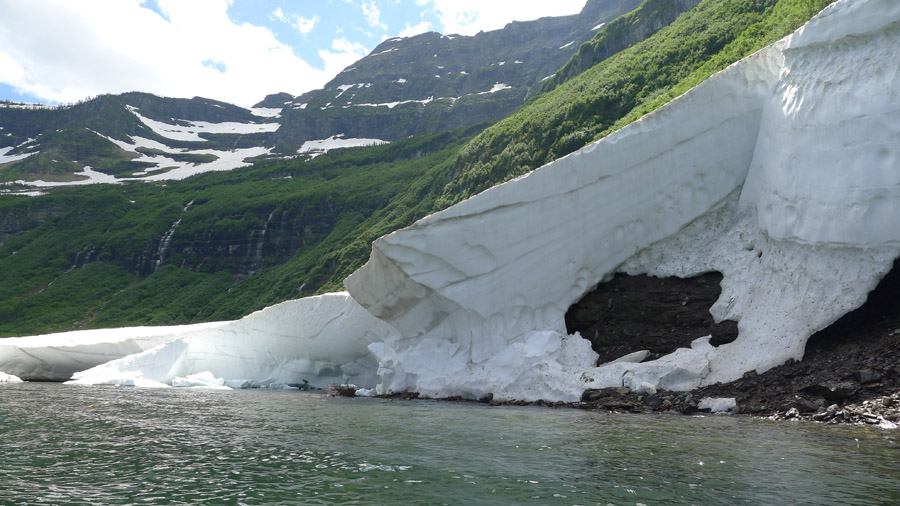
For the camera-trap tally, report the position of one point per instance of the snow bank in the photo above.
(785, 163)
(320, 339)
(55, 357)
(9, 378)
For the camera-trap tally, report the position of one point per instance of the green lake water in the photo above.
(66, 445)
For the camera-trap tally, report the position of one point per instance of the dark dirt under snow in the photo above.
(854, 360)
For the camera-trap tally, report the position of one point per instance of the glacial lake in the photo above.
(67, 445)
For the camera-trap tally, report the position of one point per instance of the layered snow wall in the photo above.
(319, 339)
(781, 172)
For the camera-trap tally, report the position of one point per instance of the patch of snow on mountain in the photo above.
(171, 169)
(225, 161)
(383, 52)
(343, 88)
(4, 158)
(566, 45)
(85, 177)
(21, 193)
(391, 105)
(497, 87)
(315, 148)
(601, 25)
(191, 131)
(266, 112)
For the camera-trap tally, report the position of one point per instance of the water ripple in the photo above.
(65, 445)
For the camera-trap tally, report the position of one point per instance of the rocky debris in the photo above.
(883, 412)
(853, 362)
(849, 371)
(342, 390)
(626, 400)
(402, 396)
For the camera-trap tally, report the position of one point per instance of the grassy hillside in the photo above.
(238, 241)
(86, 257)
(624, 87)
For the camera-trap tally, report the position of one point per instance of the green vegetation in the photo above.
(322, 214)
(637, 25)
(624, 87)
(64, 152)
(86, 257)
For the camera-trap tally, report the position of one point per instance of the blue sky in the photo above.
(238, 51)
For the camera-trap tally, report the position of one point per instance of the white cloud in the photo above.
(409, 31)
(345, 54)
(63, 51)
(372, 14)
(468, 17)
(305, 25)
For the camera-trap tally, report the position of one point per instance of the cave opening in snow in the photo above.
(660, 314)
(873, 324)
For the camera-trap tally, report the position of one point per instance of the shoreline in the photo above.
(882, 412)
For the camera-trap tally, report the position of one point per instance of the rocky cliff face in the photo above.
(422, 84)
(620, 33)
(432, 82)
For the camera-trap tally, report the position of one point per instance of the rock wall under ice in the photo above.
(781, 172)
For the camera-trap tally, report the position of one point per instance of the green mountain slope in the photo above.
(221, 245)
(211, 247)
(623, 87)
(61, 141)
(433, 82)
